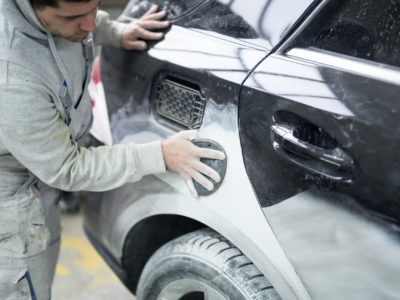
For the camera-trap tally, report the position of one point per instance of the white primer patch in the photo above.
(337, 253)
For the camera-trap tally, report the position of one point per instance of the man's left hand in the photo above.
(140, 29)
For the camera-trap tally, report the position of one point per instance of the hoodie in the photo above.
(35, 140)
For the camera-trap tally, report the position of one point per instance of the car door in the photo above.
(320, 133)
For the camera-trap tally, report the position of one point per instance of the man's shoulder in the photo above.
(24, 57)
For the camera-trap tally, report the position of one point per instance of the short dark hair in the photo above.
(51, 3)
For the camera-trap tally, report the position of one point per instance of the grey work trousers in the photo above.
(29, 245)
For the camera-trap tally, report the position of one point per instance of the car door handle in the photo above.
(333, 163)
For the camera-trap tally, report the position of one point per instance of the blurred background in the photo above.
(113, 7)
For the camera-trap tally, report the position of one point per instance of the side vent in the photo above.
(178, 103)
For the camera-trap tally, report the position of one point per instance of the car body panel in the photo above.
(167, 194)
(359, 112)
(350, 224)
(253, 76)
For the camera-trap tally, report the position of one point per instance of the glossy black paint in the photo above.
(175, 8)
(246, 43)
(249, 39)
(358, 114)
(130, 87)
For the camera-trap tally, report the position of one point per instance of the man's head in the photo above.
(70, 19)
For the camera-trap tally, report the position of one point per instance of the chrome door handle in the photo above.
(333, 163)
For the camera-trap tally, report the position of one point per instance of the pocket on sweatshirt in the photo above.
(23, 231)
(15, 282)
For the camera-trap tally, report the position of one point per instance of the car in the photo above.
(303, 97)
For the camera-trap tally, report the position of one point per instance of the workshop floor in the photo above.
(81, 273)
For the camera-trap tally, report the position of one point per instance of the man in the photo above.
(45, 57)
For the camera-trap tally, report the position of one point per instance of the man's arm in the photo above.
(32, 130)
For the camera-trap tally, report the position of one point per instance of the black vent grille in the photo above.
(179, 102)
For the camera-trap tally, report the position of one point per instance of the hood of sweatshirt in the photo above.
(66, 55)
(23, 17)
(57, 63)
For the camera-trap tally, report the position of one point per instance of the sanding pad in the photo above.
(216, 164)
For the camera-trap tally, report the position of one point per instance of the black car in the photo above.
(303, 96)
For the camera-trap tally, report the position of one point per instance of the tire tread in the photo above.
(211, 246)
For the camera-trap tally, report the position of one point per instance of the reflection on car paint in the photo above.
(224, 60)
(299, 82)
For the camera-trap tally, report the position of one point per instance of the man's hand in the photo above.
(183, 157)
(138, 29)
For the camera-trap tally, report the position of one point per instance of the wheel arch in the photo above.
(149, 218)
(147, 236)
(152, 232)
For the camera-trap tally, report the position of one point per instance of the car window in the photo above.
(219, 17)
(174, 8)
(368, 29)
(265, 22)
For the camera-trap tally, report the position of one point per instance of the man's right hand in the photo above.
(183, 157)
(131, 38)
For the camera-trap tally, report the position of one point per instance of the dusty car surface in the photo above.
(303, 96)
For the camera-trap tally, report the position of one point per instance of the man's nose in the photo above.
(88, 23)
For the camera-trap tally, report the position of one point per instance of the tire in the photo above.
(202, 265)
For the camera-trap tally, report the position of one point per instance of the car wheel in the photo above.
(202, 265)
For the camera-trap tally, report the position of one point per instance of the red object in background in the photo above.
(95, 76)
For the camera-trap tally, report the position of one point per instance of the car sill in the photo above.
(110, 260)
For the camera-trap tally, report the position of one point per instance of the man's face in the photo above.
(71, 20)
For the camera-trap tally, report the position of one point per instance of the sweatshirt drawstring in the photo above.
(57, 58)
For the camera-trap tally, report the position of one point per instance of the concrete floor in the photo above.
(81, 273)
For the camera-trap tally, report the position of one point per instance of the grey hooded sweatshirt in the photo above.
(34, 138)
